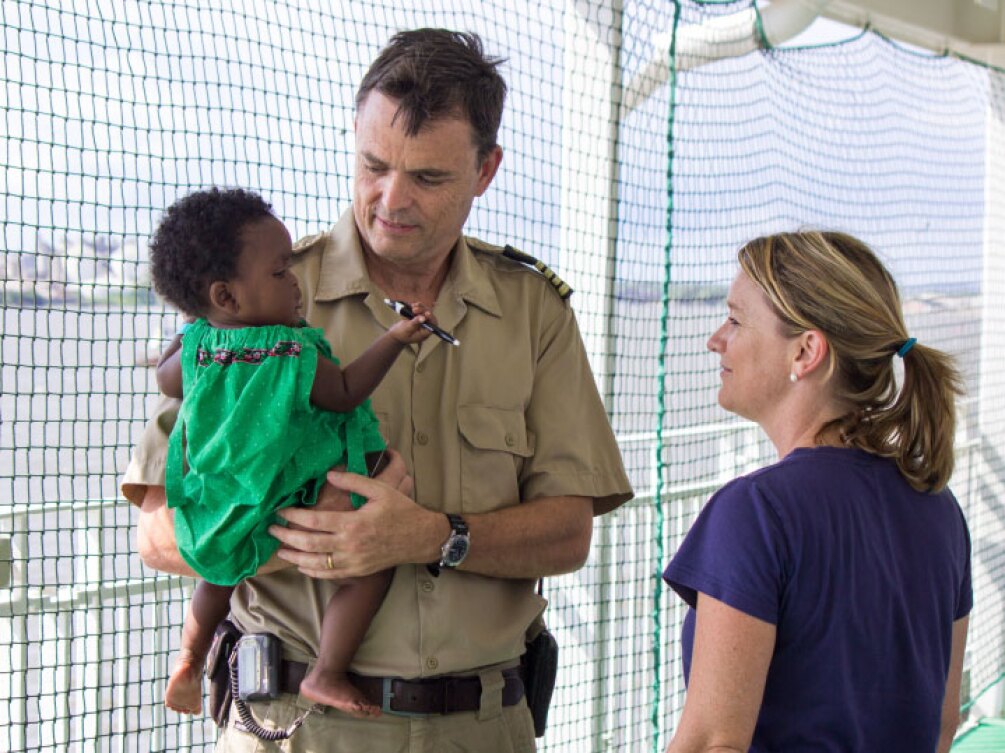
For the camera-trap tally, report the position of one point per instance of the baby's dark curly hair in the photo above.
(198, 242)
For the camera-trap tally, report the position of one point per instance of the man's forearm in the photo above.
(544, 536)
(547, 536)
(156, 541)
(155, 534)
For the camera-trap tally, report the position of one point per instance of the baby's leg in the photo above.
(208, 608)
(346, 620)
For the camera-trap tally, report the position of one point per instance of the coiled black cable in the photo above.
(249, 722)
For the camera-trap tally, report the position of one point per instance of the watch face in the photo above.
(456, 550)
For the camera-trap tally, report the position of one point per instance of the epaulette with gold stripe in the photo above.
(561, 287)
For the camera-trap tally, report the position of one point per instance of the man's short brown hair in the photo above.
(437, 73)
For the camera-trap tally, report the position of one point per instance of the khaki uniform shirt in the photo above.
(512, 414)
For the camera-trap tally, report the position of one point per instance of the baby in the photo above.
(266, 412)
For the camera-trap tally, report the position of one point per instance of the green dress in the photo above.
(249, 442)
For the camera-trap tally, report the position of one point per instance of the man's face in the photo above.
(412, 194)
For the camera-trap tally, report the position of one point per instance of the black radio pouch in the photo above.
(218, 671)
(540, 668)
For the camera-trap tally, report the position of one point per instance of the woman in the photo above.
(829, 592)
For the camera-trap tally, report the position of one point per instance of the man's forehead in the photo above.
(379, 114)
(440, 152)
(432, 165)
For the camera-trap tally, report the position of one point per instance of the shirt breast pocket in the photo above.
(495, 444)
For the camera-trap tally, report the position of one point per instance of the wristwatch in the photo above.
(455, 548)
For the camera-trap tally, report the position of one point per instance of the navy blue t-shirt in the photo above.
(863, 578)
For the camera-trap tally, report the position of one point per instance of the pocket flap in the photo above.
(499, 429)
(224, 639)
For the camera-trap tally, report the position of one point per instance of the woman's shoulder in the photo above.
(821, 466)
(839, 478)
(795, 467)
(803, 473)
(838, 467)
(749, 494)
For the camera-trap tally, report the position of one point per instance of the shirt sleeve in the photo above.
(735, 552)
(576, 452)
(149, 457)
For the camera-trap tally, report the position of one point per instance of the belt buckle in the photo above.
(386, 694)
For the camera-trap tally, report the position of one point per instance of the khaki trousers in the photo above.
(506, 730)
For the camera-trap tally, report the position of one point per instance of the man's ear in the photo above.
(812, 354)
(222, 297)
(487, 169)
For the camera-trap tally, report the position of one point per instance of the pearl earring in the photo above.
(793, 378)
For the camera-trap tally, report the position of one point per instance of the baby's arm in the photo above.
(342, 389)
(169, 368)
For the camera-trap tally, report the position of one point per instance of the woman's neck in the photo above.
(804, 428)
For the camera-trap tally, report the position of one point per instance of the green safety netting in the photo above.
(637, 160)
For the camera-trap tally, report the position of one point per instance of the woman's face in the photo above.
(755, 357)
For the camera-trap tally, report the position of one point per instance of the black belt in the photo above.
(433, 695)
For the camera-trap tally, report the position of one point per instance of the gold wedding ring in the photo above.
(331, 565)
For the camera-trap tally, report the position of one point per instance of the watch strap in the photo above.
(458, 525)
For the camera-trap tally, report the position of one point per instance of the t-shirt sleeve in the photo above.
(735, 552)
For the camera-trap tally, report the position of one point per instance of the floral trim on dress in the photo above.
(225, 357)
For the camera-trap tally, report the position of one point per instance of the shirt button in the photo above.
(420, 367)
(427, 586)
(421, 437)
(510, 440)
(432, 663)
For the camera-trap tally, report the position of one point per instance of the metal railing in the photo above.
(83, 663)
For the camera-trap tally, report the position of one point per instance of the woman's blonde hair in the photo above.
(833, 283)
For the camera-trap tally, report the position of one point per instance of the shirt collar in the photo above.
(343, 270)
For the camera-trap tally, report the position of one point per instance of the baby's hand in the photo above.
(411, 330)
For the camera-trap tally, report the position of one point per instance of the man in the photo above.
(506, 433)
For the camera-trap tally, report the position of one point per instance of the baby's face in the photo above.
(265, 289)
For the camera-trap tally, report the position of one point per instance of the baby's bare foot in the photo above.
(184, 688)
(335, 690)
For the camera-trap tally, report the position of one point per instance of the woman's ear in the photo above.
(812, 353)
(222, 297)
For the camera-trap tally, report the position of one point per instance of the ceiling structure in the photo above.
(974, 28)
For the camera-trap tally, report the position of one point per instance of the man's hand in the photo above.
(388, 530)
(544, 536)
